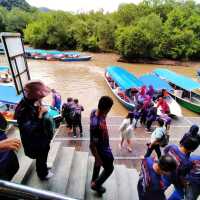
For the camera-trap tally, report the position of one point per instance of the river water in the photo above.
(85, 80)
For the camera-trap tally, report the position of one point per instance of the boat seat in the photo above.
(178, 93)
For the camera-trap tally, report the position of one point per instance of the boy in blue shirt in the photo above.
(150, 184)
(181, 154)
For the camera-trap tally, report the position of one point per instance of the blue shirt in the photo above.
(99, 134)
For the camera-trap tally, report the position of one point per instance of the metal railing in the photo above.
(13, 191)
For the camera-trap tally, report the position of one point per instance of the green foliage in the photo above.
(9, 4)
(17, 20)
(150, 29)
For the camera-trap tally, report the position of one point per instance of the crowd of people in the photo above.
(175, 165)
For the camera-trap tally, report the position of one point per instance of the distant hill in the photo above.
(44, 9)
(15, 3)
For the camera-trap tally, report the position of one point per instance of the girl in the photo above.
(126, 130)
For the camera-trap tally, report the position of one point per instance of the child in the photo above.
(126, 130)
(137, 114)
(155, 139)
(150, 184)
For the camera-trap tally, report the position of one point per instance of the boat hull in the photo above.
(188, 105)
(81, 58)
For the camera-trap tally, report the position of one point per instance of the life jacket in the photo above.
(151, 180)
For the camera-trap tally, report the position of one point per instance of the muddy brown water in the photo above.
(85, 80)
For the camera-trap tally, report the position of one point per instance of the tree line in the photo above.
(152, 29)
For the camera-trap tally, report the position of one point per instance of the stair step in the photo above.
(111, 188)
(133, 177)
(58, 183)
(122, 182)
(54, 149)
(110, 185)
(78, 175)
(25, 166)
(61, 170)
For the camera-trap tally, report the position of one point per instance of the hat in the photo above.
(36, 90)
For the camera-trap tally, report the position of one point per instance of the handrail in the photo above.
(16, 191)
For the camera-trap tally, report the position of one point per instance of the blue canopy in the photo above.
(179, 80)
(155, 81)
(4, 68)
(123, 78)
(9, 95)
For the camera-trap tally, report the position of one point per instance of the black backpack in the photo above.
(164, 140)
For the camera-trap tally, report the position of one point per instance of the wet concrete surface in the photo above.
(139, 140)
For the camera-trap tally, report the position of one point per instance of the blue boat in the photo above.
(159, 84)
(78, 58)
(186, 91)
(124, 81)
(4, 69)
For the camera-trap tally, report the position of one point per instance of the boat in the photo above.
(123, 80)
(76, 58)
(186, 91)
(159, 84)
(9, 96)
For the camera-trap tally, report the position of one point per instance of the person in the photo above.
(56, 99)
(167, 120)
(193, 132)
(155, 139)
(9, 164)
(163, 104)
(68, 112)
(137, 114)
(150, 184)
(7, 79)
(77, 118)
(99, 144)
(35, 125)
(126, 130)
(151, 117)
(192, 191)
(150, 91)
(181, 154)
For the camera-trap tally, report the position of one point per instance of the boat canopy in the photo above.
(178, 80)
(9, 95)
(156, 82)
(123, 78)
(4, 68)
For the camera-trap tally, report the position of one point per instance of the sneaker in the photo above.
(98, 189)
(129, 149)
(148, 130)
(74, 136)
(48, 176)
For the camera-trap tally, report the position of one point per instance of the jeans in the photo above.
(155, 147)
(107, 171)
(41, 163)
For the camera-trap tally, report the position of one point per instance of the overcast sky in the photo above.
(80, 5)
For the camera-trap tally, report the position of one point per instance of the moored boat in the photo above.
(158, 85)
(186, 91)
(10, 98)
(76, 58)
(119, 80)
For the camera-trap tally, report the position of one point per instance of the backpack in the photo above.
(164, 140)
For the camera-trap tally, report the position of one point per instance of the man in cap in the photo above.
(31, 121)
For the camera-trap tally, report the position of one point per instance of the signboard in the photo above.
(14, 49)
